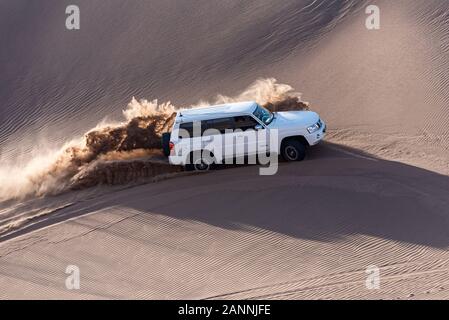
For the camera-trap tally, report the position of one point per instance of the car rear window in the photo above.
(220, 124)
(188, 126)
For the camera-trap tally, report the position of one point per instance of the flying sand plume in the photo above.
(126, 151)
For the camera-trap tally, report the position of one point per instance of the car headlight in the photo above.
(314, 127)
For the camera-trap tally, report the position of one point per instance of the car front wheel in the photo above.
(293, 150)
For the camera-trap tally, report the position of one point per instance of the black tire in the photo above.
(165, 139)
(200, 161)
(293, 150)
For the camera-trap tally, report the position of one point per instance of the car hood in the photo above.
(294, 119)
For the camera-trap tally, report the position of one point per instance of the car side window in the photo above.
(221, 124)
(189, 126)
(245, 122)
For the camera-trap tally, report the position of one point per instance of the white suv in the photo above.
(202, 137)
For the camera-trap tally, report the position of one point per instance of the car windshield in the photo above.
(263, 115)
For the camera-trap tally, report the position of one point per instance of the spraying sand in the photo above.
(118, 153)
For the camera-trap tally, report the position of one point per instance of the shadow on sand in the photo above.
(336, 192)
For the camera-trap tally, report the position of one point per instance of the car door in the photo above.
(221, 132)
(246, 140)
(250, 135)
(189, 136)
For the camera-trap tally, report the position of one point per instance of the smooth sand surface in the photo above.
(375, 194)
(308, 232)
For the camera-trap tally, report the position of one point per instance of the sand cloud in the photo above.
(80, 162)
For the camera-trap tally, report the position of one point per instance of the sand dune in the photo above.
(135, 49)
(375, 194)
(309, 232)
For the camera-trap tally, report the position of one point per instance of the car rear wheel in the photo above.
(293, 150)
(200, 161)
(201, 165)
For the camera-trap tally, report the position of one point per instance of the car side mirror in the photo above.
(258, 127)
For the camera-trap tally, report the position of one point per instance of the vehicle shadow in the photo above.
(336, 192)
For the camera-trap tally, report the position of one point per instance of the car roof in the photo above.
(225, 110)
